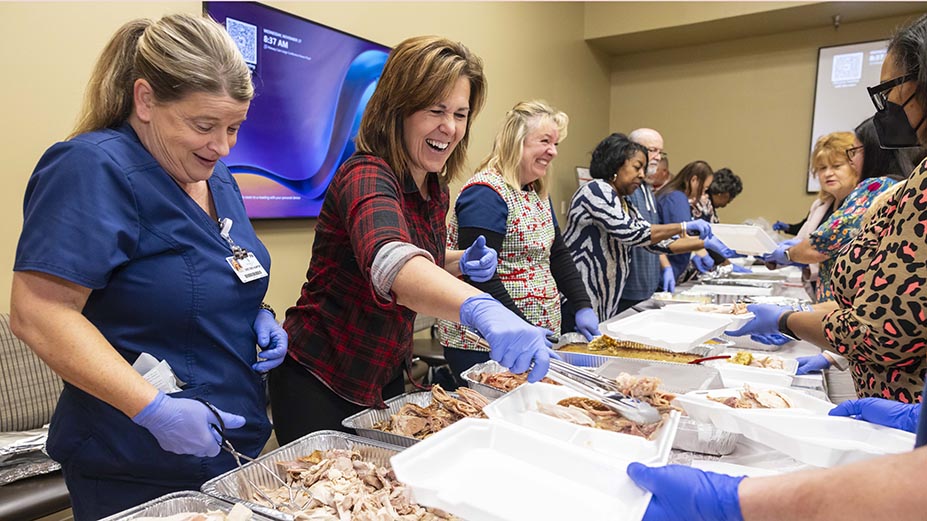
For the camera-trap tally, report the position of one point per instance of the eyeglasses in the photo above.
(652, 151)
(879, 93)
(852, 152)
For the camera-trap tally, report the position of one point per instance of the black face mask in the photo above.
(893, 128)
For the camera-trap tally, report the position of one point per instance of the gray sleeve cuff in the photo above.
(387, 263)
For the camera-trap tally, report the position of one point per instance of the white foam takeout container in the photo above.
(735, 375)
(520, 407)
(744, 238)
(737, 321)
(804, 432)
(677, 332)
(498, 471)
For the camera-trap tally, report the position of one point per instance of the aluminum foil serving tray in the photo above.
(364, 421)
(179, 503)
(229, 486)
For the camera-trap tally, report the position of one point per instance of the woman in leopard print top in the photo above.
(879, 319)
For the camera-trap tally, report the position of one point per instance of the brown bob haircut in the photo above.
(419, 72)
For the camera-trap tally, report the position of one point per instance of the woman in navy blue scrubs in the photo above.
(135, 240)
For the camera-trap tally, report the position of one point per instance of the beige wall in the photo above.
(745, 104)
(530, 50)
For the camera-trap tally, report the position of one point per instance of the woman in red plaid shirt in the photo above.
(379, 252)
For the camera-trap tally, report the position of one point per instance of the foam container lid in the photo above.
(735, 375)
(825, 441)
(674, 331)
(675, 378)
(744, 238)
(498, 471)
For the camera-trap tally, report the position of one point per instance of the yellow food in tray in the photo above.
(608, 346)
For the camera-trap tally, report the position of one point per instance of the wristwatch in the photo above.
(266, 306)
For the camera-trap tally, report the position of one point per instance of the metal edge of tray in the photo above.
(179, 503)
(227, 486)
(364, 421)
(484, 367)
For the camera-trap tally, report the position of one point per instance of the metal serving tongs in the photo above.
(254, 489)
(604, 390)
(592, 386)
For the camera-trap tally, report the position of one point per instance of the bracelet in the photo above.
(682, 228)
(783, 324)
(787, 256)
(266, 306)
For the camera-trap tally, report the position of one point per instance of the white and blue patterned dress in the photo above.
(602, 227)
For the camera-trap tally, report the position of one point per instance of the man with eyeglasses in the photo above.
(644, 270)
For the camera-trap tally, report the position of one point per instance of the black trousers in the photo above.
(300, 403)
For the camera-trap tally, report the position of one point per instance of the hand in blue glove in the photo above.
(765, 320)
(772, 339)
(703, 263)
(587, 323)
(698, 227)
(184, 426)
(714, 244)
(272, 339)
(687, 494)
(514, 343)
(780, 226)
(740, 269)
(478, 261)
(811, 364)
(880, 411)
(669, 279)
(778, 255)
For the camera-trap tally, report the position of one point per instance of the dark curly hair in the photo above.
(727, 182)
(611, 154)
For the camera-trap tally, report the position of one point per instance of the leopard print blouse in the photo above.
(879, 284)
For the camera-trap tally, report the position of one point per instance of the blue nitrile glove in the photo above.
(880, 411)
(669, 279)
(714, 244)
(811, 364)
(513, 342)
(698, 227)
(772, 339)
(740, 269)
(778, 255)
(587, 323)
(271, 338)
(780, 226)
(688, 494)
(764, 322)
(184, 426)
(479, 262)
(703, 263)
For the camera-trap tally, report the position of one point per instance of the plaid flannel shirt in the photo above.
(340, 331)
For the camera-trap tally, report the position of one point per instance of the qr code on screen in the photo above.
(245, 37)
(847, 67)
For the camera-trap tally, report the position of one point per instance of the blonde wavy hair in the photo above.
(830, 148)
(509, 144)
(177, 55)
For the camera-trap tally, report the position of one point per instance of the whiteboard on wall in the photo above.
(840, 98)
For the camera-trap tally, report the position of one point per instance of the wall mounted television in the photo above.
(311, 83)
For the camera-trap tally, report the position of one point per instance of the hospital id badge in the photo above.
(247, 268)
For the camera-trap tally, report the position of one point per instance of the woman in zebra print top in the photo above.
(603, 226)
